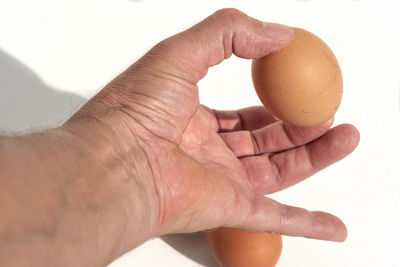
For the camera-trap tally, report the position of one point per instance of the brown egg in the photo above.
(300, 84)
(237, 248)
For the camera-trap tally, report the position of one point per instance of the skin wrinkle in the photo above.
(249, 179)
(277, 172)
(155, 112)
(301, 133)
(132, 108)
(186, 126)
(197, 203)
(250, 42)
(225, 33)
(132, 93)
(202, 196)
(236, 203)
(211, 118)
(188, 223)
(228, 46)
(132, 172)
(289, 135)
(159, 116)
(283, 218)
(174, 79)
(252, 210)
(188, 121)
(233, 16)
(174, 193)
(161, 217)
(241, 121)
(160, 64)
(214, 195)
(125, 110)
(256, 144)
(310, 157)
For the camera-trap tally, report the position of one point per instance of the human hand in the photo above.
(196, 168)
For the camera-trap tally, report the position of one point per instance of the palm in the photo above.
(214, 165)
(201, 177)
(224, 162)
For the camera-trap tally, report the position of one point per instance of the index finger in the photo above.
(248, 119)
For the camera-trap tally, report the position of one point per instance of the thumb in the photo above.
(154, 90)
(188, 55)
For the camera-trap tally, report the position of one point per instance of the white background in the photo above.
(54, 55)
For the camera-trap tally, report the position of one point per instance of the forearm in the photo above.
(66, 200)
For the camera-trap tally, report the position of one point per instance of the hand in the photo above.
(200, 168)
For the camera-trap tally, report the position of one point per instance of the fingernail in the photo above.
(277, 31)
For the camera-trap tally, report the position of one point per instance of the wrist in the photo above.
(121, 188)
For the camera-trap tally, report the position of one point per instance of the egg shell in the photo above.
(301, 84)
(237, 248)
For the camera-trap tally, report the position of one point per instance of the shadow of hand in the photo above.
(27, 103)
(192, 246)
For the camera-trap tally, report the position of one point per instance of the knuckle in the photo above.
(257, 143)
(283, 218)
(230, 14)
(157, 52)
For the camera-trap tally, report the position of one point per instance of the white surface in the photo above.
(56, 54)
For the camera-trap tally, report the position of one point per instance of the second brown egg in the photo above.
(232, 247)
